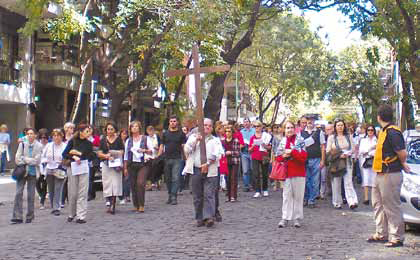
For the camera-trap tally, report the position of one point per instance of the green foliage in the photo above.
(358, 75)
(34, 10)
(287, 59)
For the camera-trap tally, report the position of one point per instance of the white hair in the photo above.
(208, 119)
(69, 124)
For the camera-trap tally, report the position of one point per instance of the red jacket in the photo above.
(256, 154)
(295, 165)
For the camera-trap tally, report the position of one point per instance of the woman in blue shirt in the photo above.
(4, 148)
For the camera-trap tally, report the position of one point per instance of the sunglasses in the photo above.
(44, 137)
(370, 130)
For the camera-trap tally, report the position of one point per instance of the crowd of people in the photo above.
(320, 160)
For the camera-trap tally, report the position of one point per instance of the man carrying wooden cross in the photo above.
(206, 157)
(204, 178)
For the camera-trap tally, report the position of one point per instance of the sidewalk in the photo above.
(7, 189)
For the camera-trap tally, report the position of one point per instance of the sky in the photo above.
(335, 26)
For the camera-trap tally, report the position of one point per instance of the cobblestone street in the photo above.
(248, 231)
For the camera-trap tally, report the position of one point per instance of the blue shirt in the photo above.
(31, 168)
(4, 138)
(247, 134)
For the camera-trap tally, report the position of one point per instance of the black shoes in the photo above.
(169, 201)
(200, 223)
(16, 221)
(70, 219)
(209, 222)
(55, 212)
(28, 221)
(218, 217)
(80, 221)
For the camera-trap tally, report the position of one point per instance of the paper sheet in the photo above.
(309, 141)
(115, 163)
(78, 169)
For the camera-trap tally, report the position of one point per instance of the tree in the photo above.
(358, 76)
(286, 60)
(398, 22)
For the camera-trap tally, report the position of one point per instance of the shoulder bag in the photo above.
(19, 172)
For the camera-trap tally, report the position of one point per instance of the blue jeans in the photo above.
(172, 170)
(358, 171)
(246, 169)
(313, 173)
(3, 162)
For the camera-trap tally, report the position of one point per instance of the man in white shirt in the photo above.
(204, 179)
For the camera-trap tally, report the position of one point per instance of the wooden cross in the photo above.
(196, 70)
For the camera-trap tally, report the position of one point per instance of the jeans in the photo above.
(358, 171)
(55, 185)
(3, 162)
(313, 175)
(18, 204)
(246, 169)
(172, 169)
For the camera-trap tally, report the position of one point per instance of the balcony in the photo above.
(56, 59)
(10, 94)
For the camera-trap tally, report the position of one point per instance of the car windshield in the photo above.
(413, 151)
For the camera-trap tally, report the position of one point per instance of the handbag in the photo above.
(368, 163)
(19, 172)
(224, 169)
(279, 171)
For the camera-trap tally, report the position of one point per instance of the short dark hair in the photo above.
(385, 113)
(173, 117)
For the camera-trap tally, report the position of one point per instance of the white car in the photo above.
(410, 190)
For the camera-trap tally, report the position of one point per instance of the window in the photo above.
(8, 52)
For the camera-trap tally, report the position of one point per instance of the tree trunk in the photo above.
(117, 99)
(83, 78)
(407, 105)
(230, 56)
(276, 110)
(260, 108)
(212, 106)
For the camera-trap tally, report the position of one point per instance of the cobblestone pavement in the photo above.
(248, 231)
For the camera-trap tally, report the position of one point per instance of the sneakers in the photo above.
(296, 224)
(122, 202)
(265, 193)
(42, 207)
(257, 195)
(108, 204)
(282, 223)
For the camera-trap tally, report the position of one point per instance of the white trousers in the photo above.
(351, 195)
(78, 191)
(293, 193)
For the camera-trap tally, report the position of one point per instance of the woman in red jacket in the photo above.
(292, 150)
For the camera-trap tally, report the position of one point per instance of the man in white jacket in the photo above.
(204, 178)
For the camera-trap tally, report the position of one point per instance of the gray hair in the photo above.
(69, 124)
(208, 119)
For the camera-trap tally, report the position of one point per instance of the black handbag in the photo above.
(368, 163)
(19, 172)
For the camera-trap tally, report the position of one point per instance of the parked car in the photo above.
(410, 190)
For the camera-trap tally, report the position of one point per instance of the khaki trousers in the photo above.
(293, 193)
(386, 203)
(78, 190)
